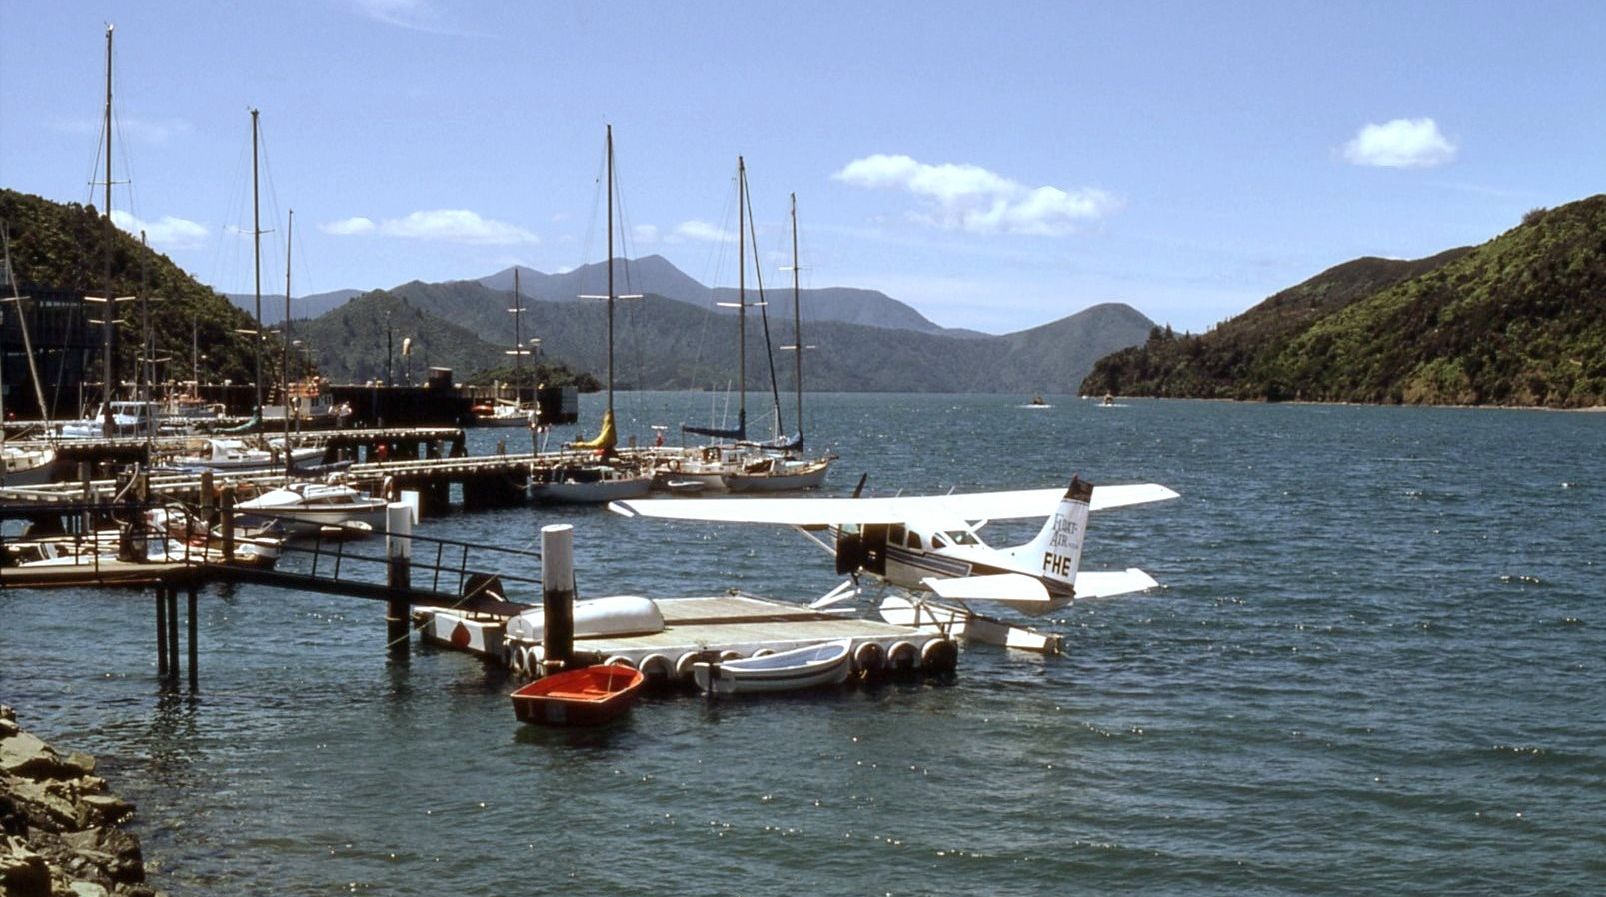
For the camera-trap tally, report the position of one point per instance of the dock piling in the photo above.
(161, 631)
(557, 595)
(195, 667)
(171, 596)
(399, 554)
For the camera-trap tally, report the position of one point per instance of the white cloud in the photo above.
(166, 232)
(702, 230)
(1401, 143)
(418, 15)
(441, 225)
(973, 199)
(348, 226)
(645, 234)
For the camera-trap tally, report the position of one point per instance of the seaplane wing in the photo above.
(1103, 584)
(1005, 588)
(814, 513)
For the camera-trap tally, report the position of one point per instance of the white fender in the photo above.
(684, 665)
(763, 652)
(619, 660)
(513, 656)
(657, 667)
(533, 655)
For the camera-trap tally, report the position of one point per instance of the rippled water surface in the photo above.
(1377, 666)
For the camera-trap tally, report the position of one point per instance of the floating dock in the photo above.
(723, 627)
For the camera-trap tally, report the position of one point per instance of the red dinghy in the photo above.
(583, 697)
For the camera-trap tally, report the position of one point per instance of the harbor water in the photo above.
(1377, 665)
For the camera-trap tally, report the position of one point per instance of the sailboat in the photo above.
(592, 478)
(782, 468)
(32, 465)
(512, 412)
(743, 465)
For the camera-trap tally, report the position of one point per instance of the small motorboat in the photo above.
(305, 507)
(590, 484)
(827, 663)
(585, 697)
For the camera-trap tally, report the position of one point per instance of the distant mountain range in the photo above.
(1519, 320)
(684, 341)
(309, 306)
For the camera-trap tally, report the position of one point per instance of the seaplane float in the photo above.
(929, 548)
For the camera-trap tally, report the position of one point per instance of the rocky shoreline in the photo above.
(60, 830)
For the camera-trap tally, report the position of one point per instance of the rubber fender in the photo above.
(683, 666)
(763, 652)
(619, 660)
(513, 656)
(939, 655)
(657, 667)
(869, 657)
(902, 657)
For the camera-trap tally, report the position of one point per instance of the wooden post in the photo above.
(399, 553)
(228, 524)
(195, 667)
(161, 631)
(172, 629)
(208, 483)
(557, 595)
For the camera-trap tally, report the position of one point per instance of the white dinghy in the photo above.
(827, 663)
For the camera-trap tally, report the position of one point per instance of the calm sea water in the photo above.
(1377, 666)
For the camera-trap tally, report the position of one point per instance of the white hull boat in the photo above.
(779, 475)
(303, 508)
(28, 467)
(812, 666)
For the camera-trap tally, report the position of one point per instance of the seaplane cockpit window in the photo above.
(914, 540)
(895, 534)
(962, 537)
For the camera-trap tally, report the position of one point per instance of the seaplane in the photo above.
(930, 545)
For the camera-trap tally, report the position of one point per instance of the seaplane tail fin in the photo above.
(1057, 551)
(1103, 584)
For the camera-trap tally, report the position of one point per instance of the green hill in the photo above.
(62, 246)
(1519, 320)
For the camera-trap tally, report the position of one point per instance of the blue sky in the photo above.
(995, 166)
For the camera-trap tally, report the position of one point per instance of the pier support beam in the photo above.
(171, 596)
(195, 666)
(557, 595)
(161, 631)
(399, 554)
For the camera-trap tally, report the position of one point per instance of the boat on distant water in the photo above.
(812, 666)
(1036, 402)
(501, 413)
(588, 696)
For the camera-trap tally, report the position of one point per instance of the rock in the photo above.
(104, 809)
(127, 863)
(25, 756)
(43, 808)
(6, 713)
(80, 763)
(89, 889)
(23, 873)
(8, 728)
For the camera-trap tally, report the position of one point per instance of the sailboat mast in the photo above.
(518, 339)
(256, 237)
(610, 270)
(111, 237)
(797, 323)
(741, 293)
(284, 357)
